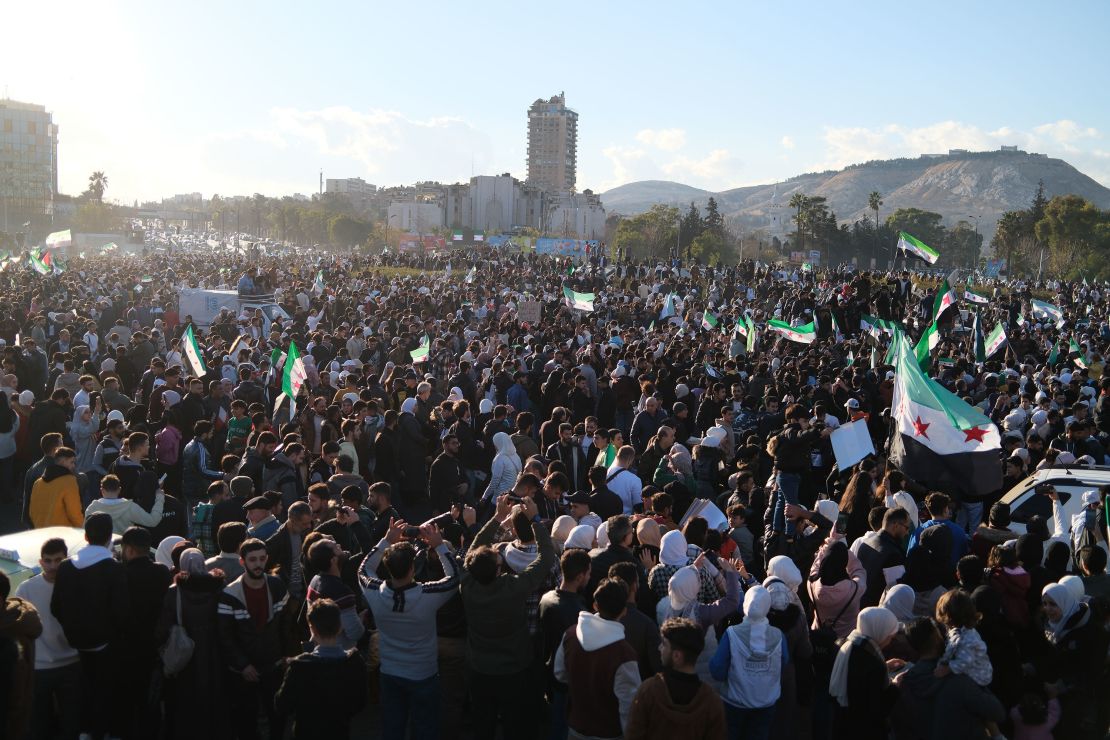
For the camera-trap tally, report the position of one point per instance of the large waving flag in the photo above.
(193, 354)
(38, 264)
(741, 327)
(975, 298)
(928, 341)
(579, 301)
(753, 336)
(1080, 358)
(804, 334)
(913, 246)
(293, 376)
(939, 440)
(421, 353)
(709, 321)
(669, 308)
(946, 296)
(318, 285)
(472, 275)
(1043, 310)
(996, 339)
(59, 239)
(1054, 353)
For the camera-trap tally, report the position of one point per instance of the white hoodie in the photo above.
(595, 632)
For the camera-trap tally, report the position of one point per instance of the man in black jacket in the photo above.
(618, 551)
(284, 549)
(881, 554)
(558, 612)
(570, 454)
(254, 461)
(792, 450)
(147, 583)
(640, 630)
(327, 713)
(92, 603)
(446, 482)
(250, 636)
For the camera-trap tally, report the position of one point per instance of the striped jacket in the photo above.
(243, 643)
(406, 618)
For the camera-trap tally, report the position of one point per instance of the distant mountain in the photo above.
(637, 197)
(959, 186)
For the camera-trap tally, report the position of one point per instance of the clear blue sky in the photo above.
(239, 97)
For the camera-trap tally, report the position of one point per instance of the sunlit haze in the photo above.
(238, 97)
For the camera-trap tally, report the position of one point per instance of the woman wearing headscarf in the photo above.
(682, 601)
(581, 537)
(1074, 661)
(163, 554)
(784, 569)
(194, 697)
(675, 466)
(860, 683)
(837, 582)
(749, 661)
(560, 530)
(672, 556)
(505, 468)
(797, 675)
(900, 599)
(82, 430)
(412, 450)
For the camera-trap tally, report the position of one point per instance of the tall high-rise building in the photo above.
(552, 145)
(28, 166)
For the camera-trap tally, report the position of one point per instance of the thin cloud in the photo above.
(667, 139)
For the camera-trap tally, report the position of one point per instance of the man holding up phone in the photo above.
(405, 613)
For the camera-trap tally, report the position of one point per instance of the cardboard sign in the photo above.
(529, 311)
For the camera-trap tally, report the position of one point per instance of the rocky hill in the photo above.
(959, 185)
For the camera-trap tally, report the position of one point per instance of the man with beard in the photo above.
(251, 613)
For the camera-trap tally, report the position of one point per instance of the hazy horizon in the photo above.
(225, 99)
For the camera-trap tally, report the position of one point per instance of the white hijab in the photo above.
(1063, 597)
(873, 626)
(581, 537)
(672, 549)
(899, 599)
(786, 570)
(757, 602)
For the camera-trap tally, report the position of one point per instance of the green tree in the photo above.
(800, 203)
(711, 248)
(690, 228)
(96, 218)
(714, 221)
(347, 231)
(924, 225)
(963, 246)
(651, 234)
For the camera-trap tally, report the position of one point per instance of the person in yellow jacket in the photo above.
(56, 496)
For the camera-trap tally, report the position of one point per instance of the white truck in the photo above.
(204, 305)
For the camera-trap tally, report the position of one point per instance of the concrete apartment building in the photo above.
(28, 166)
(552, 145)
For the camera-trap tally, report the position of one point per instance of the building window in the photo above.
(7, 125)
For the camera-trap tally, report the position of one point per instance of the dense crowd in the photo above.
(620, 522)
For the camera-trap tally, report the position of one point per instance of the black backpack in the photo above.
(823, 638)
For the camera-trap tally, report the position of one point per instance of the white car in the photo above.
(1070, 483)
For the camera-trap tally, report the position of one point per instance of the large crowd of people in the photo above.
(620, 522)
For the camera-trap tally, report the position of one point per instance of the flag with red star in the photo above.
(941, 441)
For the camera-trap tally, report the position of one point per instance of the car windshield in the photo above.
(1036, 504)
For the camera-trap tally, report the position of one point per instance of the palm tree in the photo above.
(799, 202)
(98, 183)
(874, 200)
